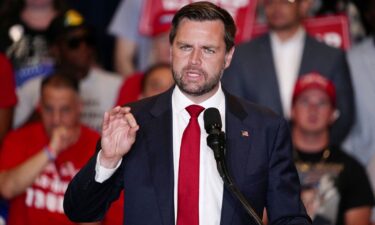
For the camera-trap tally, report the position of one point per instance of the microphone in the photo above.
(212, 121)
(216, 141)
(216, 137)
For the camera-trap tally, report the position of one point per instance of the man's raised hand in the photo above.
(118, 135)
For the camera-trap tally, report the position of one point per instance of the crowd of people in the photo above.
(55, 90)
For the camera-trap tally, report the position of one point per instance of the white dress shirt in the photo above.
(287, 56)
(210, 183)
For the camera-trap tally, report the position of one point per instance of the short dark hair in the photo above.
(202, 11)
(60, 80)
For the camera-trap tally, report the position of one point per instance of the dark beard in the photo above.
(207, 87)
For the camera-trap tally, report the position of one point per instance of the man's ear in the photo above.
(228, 57)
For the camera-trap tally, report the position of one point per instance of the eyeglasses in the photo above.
(75, 42)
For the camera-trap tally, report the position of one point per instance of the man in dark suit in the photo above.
(265, 69)
(143, 146)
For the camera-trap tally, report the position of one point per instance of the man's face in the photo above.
(282, 14)
(158, 81)
(75, 50)
(312, 111)
(60, 107)
(199, 57)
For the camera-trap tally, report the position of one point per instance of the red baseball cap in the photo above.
(162, 22)
(315, 80)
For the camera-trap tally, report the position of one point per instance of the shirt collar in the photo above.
(298, 37)
(180, 101)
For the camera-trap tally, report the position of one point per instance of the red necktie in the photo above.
(188, 174)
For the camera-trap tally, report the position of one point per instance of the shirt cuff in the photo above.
(101, 173)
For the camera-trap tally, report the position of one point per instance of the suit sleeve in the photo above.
(85, 199)
(345, 100)
(284, 205)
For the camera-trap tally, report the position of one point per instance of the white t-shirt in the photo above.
(99, 92)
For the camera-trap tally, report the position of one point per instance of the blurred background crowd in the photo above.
(63, 63)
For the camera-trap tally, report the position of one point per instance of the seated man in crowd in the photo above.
(72, 46)
(38, 161)
(74, 49)
(8, 100)
(335, 187)
(157, 79)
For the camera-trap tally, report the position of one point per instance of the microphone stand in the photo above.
(216, 141)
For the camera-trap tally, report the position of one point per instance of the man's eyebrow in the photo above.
(201, 46)
(182, 43)
(210, 46)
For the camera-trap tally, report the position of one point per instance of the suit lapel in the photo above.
(160, 151)
(238, 138)
(307, 56)
(267, 75)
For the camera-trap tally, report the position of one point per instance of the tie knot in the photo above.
(194, 110)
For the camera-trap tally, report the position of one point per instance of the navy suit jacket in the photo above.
(260, 162)
(252, 75)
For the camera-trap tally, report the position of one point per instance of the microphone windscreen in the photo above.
(212, 120)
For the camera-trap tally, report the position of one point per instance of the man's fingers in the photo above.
(123, 113)
(125, 109)
(117, 116)
(120, 110)
(131, 120)
(132, 132)
(111, 116)
(105, 123)
(116, 109)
